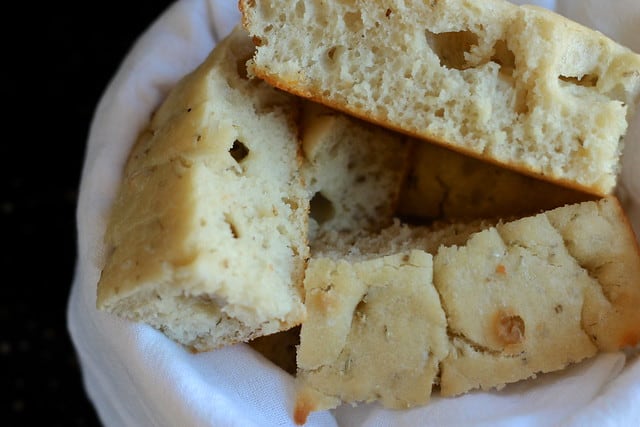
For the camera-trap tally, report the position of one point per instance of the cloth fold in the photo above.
(135, 376)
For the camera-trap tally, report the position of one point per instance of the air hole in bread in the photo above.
(292, 203)
(321, 208)
(361, 307)
(300, 9)
(232, 226)
(333, 55)
(331, 52)
(451, 47)
(521, 105)
(588, 80)
(353, 21)
(241, 68)
(238, 151)
(504, 57)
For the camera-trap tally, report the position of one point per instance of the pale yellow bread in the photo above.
(519, 298)
(353, 170)
(445, 185)
(518, 86)
(206, 240)
(375, 331)
(539, 300)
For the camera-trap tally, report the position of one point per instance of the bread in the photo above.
(389, 319)
(518, 86)
(361, 176)
(543, 301)
(445, 185)
(375, 331)
(344, 166)
(354, 171)
(206, 240)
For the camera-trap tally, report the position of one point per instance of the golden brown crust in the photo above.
(243, 7)
(293, 87)
(575, 151)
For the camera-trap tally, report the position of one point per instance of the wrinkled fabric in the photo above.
(135, 376)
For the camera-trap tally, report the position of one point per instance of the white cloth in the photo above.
(135, 376)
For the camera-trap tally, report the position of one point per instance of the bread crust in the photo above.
(544, 135)
(206, 241)
(518, 298)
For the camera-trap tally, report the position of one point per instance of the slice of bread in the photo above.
(354, 171)
(207, 236)
(555, 288)
(208, 136)
(518, 298)
(375, 331)
(445, 185)
(519, 86)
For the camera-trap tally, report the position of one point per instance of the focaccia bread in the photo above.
(208, 235)
(207, 239)
(354, 170)
(375, 331)
(519, 86)
(519, 298)
(445, 185)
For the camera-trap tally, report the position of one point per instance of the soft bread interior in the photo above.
(488, 304)
(516, 85)
(207, 239)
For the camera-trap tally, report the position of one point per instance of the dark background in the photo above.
(57, 59)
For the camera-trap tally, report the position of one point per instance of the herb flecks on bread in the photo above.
(375, 331)
(511, 300)
(207, 236)
(247, 214)
(519, 86)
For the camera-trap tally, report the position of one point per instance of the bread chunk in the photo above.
(375, 331)
(442, 184)
(528, 295)
(207, 239)
(519, 298)
(220, 176)
(354, 171)
(519, 86)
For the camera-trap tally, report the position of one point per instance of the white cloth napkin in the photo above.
(135, 376)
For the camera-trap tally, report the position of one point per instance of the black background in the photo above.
(57, 59)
